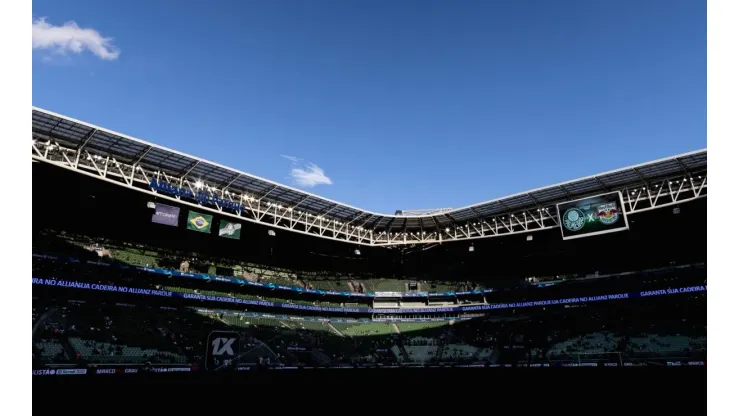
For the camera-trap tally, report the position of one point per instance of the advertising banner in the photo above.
(222, 348)
(166, 214)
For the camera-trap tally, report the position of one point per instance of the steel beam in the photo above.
(639, 198)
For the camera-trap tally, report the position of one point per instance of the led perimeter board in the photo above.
(591, 216)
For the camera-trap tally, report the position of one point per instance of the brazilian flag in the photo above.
(199, 222)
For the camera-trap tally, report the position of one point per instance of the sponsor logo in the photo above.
(71, 371)
(223, 346)
(574, 219)
(170, 369)
(165, 214)
(44, 372)
(673, 363)
(221, 349)
(179, 369)
(608, 214)
(106, 371)
(199, 222)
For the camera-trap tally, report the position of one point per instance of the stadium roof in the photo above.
(50, 129)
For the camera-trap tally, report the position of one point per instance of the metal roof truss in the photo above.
(132, 163)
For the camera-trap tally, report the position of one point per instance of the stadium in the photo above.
(148, 260)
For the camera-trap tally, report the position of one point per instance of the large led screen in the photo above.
(595, 215)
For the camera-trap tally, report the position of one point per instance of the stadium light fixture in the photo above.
(471, 248)
(271, 233)
(357, 252)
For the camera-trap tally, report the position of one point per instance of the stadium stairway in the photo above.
(63, 341)
(336, 331)
(320, 357)
(401, 349)
(449, 335)
(68, 349)
(440, 353)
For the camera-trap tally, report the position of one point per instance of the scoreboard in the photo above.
(591, 216)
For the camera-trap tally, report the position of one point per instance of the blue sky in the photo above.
(401, 104)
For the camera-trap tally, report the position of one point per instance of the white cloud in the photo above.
(71, 38)
(307, 175)
(291, 158)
